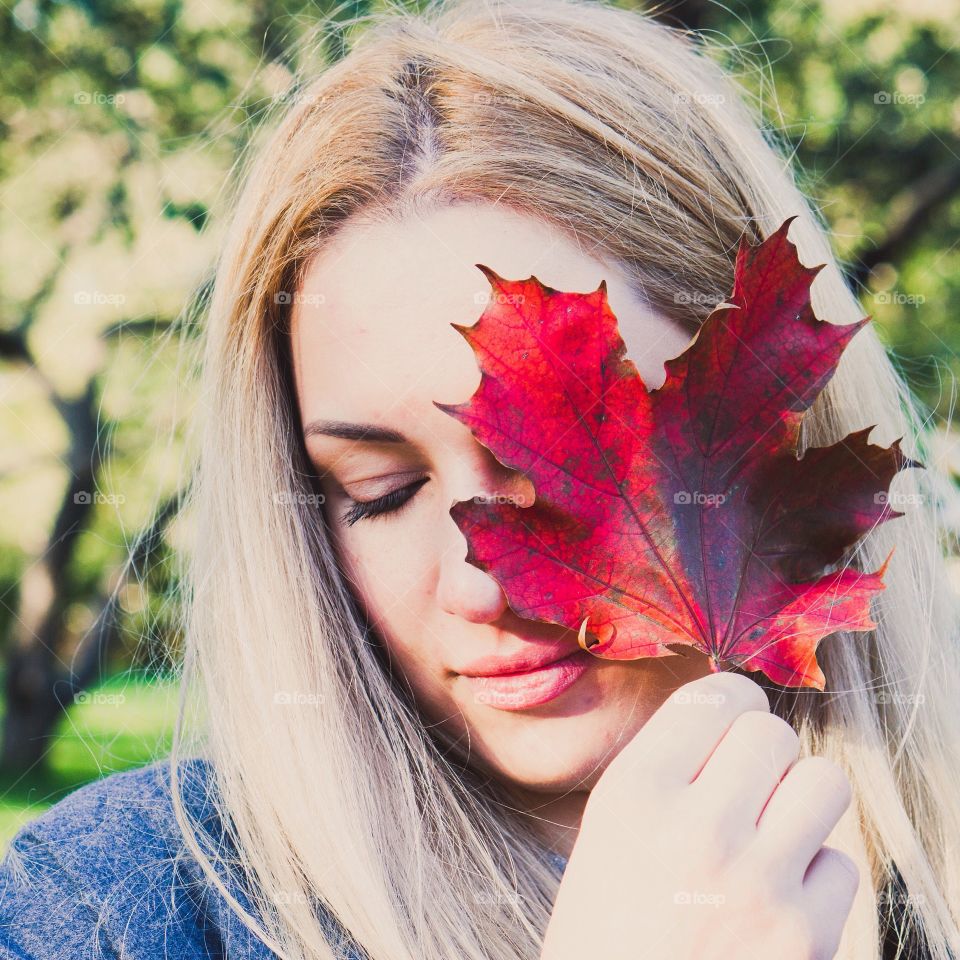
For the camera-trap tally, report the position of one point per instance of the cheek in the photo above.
(393, 577)
(392, 574)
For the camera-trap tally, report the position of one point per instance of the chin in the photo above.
(557, 781)
(551, 775)
(557, 754)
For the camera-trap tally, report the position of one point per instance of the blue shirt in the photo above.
(104, 873)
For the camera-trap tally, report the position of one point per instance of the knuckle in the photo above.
(766, 738)
(766, 876)
(777, 918)
(745, 693)
(718, 847)
(721, 689)
(782, 729)
(717, 831)
(754, 889)
(759, 725)
(630, 782)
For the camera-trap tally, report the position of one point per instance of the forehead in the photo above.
(370, 326)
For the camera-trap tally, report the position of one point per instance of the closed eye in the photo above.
(389, 503)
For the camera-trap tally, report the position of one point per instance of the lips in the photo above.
(522, 690)
(522, 661)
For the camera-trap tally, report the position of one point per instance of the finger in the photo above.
(829, 889)
(802, 812)
(747, 765)
(680, 736)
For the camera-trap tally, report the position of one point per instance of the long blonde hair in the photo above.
(623, 132)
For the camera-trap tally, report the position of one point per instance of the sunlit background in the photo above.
(119, 125)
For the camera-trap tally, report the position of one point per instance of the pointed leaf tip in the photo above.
(784, 227)
(884, 565)
(488, 272)
(453, 409)
(905, 461)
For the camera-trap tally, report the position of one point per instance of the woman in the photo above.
(359, 788)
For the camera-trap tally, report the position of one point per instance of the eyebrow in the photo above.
(365, 432)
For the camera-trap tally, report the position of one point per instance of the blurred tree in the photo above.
(866, 95)
(120, 123)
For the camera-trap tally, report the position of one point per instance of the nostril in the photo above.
(467, 592)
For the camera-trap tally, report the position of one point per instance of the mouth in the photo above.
(528, 688)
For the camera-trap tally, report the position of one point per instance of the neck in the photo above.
(555, 817)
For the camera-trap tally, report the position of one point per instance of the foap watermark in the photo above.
(895, 499)
(900, 298)
(698, 898)
(295, 296)
(85, 98)
(291, 497)
(96, 298)
(298, 97)
(888, 97)
(297, 698)
(95, 496)
(100, 698)
(901, 699)
(704, 98)
(699, 696)
(697, 296)
(290, 897)
(699, 498)
(497, 296)
(516, 500)
(492, 698)
(497, 99)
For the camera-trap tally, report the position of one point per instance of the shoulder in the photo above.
(104, 872)
(121, 810)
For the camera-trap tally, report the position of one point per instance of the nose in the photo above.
(467, 591)
(463, 589)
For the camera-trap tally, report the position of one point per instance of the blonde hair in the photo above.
(621, 131)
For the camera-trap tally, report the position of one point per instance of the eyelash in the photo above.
(390, 502)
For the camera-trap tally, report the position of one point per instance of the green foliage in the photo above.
(118, 725)
(866, 95)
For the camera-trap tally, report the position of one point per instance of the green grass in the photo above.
(124, 723)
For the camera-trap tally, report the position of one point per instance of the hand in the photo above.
(703, 840)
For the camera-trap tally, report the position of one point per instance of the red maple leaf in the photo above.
(680, 515)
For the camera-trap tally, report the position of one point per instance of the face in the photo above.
(371, 344)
